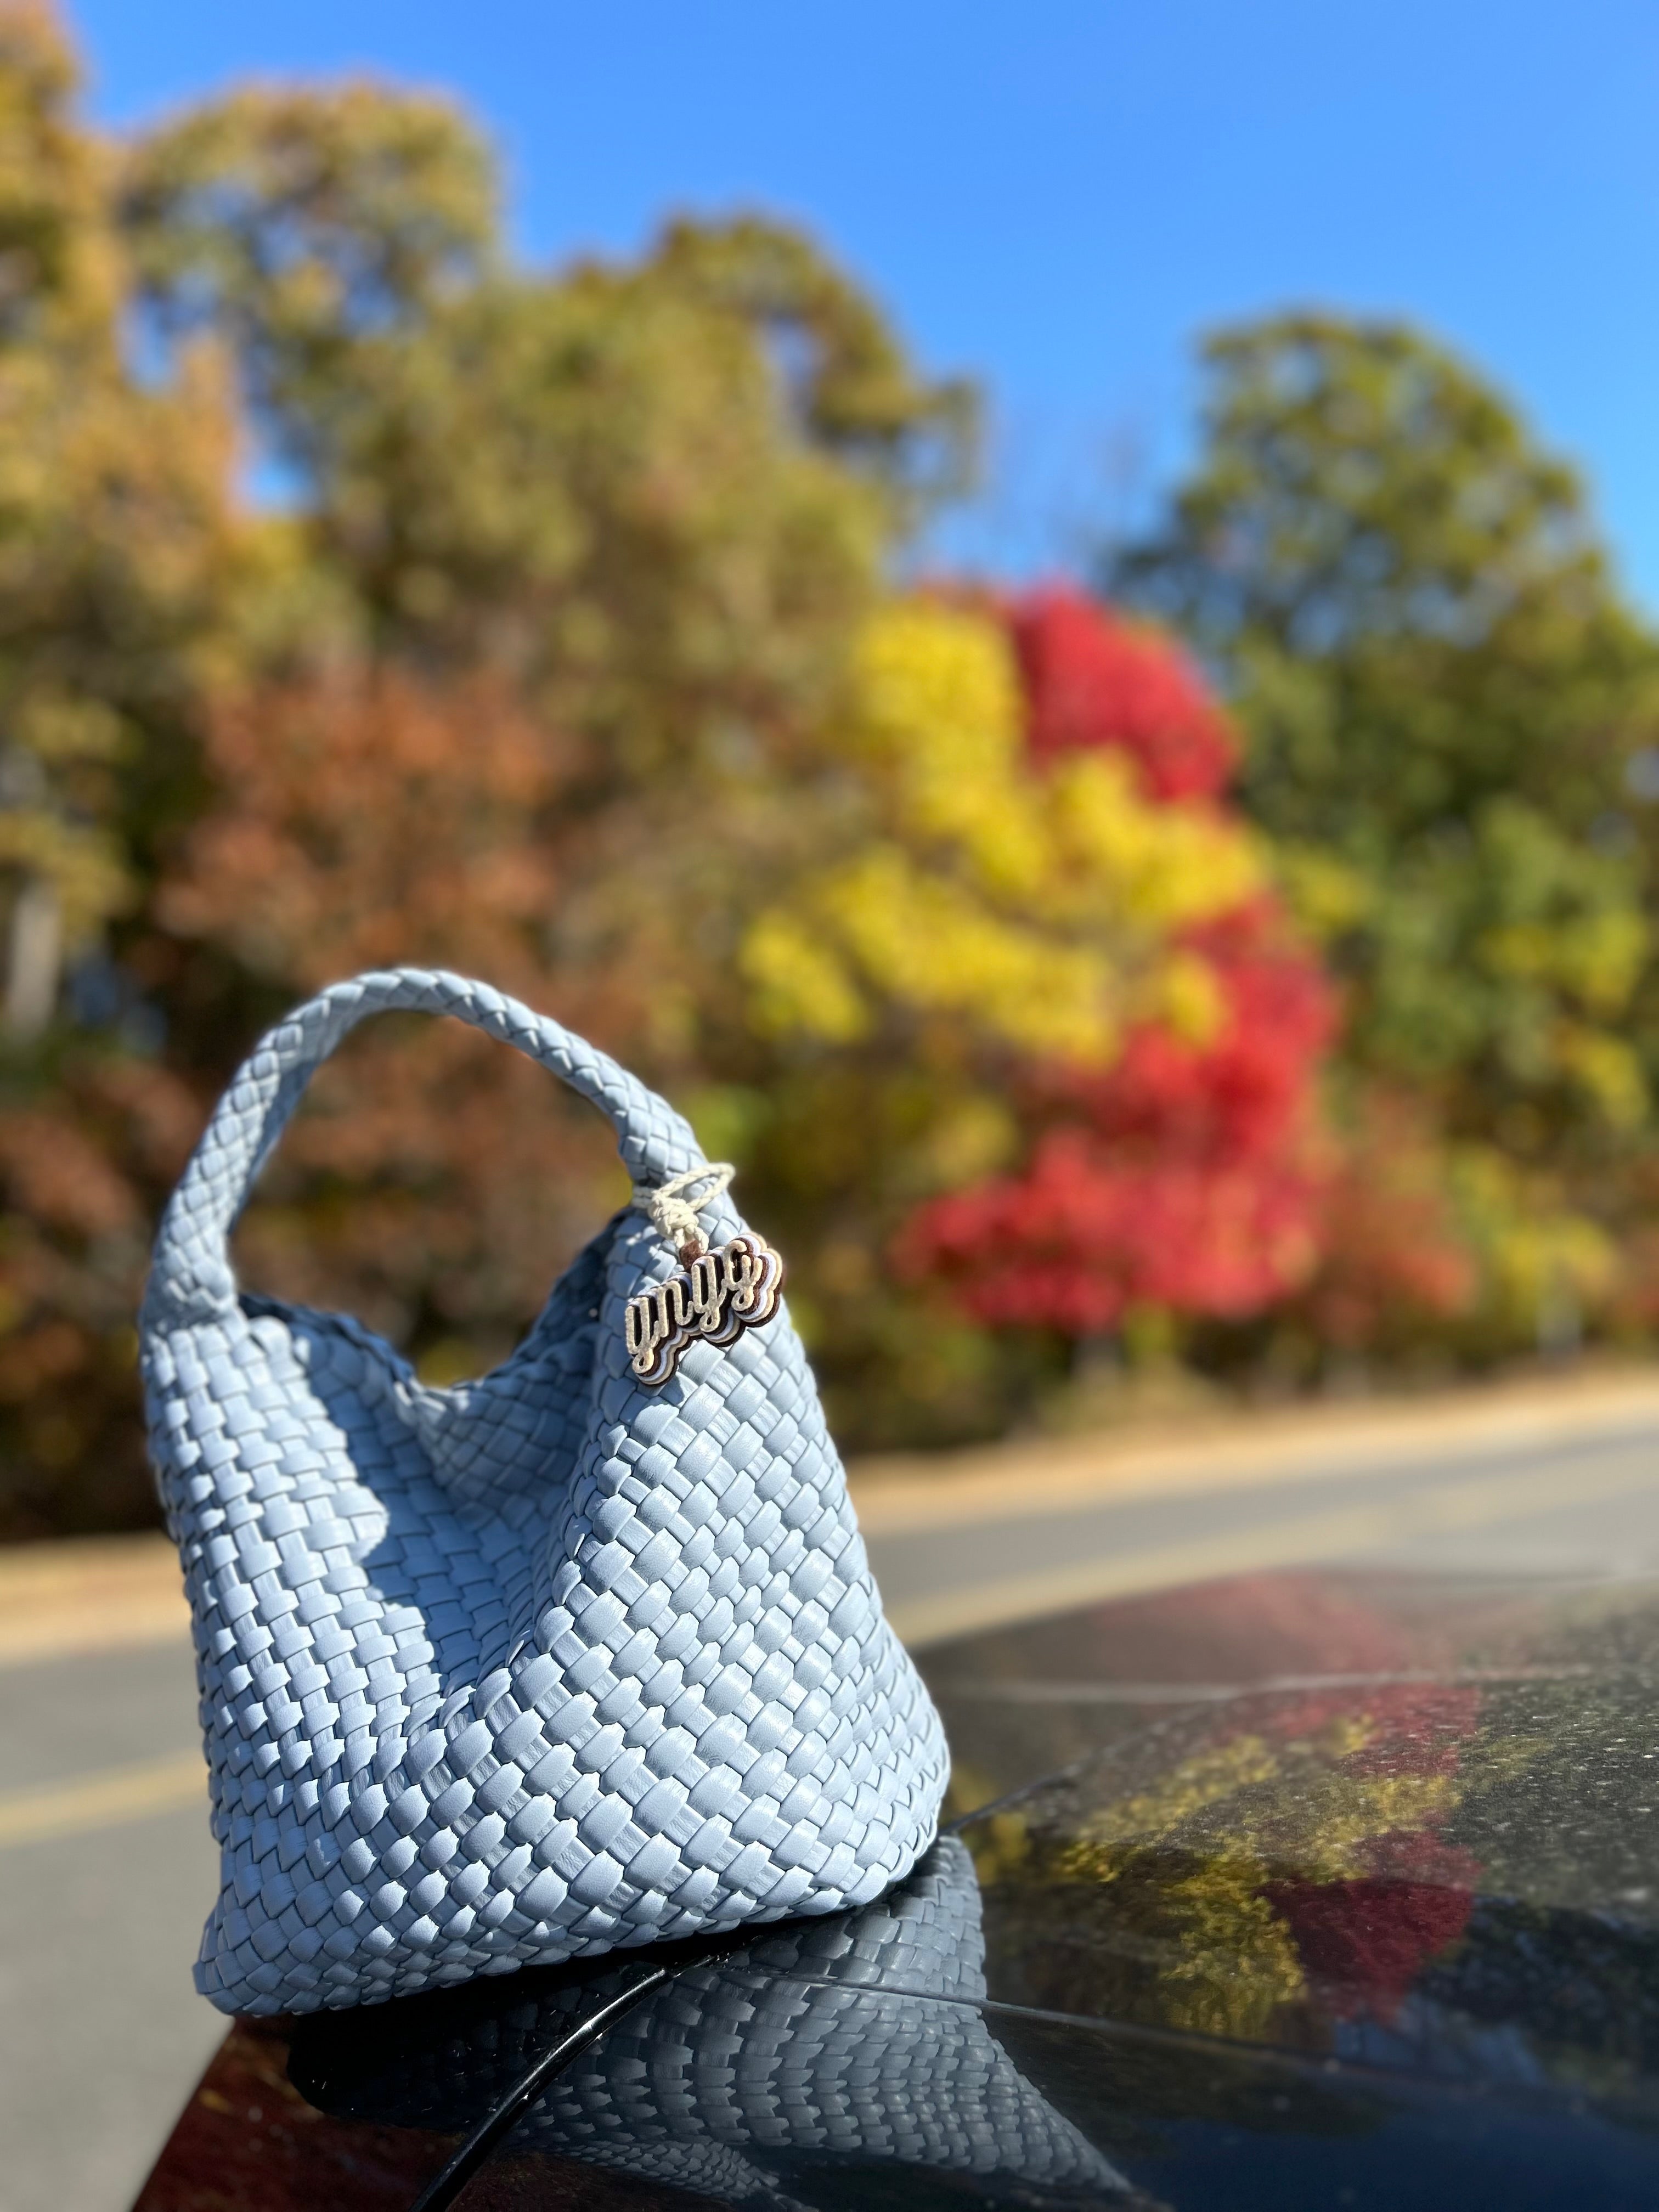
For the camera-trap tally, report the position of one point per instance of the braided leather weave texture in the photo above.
(529, 1668)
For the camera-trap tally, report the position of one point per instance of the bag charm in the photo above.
(715, 1295)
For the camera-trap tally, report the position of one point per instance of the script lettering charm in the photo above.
(713, 1299)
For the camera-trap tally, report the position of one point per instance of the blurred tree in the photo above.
(1441, 690)
(1186, 1179)
(1038, 901)
(361, 821)
(1092, 680)
(682, 478)
(1441, 687)
(1182, 1174)
(366, 595)
(120, 550)
(546, 583)
(114, 532)
(968, 909)
(506, 655)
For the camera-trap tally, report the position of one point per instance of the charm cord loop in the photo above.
(674, 1215)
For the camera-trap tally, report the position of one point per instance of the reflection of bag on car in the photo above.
(819, 2050)
(549, 1662)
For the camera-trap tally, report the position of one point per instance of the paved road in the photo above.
(1583, 1504)
(107, 1870)
(100, 2032)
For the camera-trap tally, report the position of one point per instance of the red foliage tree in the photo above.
(1392, 1255)
(1188, 1175)
(1091, 678)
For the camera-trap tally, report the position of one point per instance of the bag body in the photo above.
(540, 1665)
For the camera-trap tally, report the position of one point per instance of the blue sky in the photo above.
(1056, 196)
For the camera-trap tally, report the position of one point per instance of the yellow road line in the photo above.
(1437, 1509)
(115, 1795)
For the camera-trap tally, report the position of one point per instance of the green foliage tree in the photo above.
(655, 498)
(494, 461)
(1443, 688)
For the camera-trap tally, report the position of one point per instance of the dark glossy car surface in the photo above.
(1297, 1891)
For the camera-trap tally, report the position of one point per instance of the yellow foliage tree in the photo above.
(950, 911)
(1038, 905)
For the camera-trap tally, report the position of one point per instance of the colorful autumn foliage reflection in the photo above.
(1293, 1858)
(1298, 1854)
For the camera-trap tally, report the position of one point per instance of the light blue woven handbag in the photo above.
(550, 1662)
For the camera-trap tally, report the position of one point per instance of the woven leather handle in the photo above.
(191, 1275)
